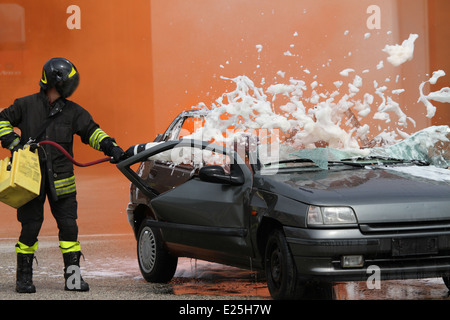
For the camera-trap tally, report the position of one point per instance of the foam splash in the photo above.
(322, 118)
(399, 54)
(442, 95)
(305, 121)
(308, 118)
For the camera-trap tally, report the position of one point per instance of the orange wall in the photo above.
(112, 52)
(439, 35)
(142, 61)
(195, 42)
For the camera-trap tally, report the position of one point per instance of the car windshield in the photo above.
(423, 148)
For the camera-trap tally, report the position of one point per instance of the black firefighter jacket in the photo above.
(68, 118)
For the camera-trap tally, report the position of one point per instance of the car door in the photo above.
(210, 218)
(206, 215)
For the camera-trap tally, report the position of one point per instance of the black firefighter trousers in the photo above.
(31, 216)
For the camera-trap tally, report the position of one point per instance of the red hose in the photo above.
(60, 148)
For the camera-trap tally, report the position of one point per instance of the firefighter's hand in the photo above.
(14, 149)
(17, 147)
(117, 154)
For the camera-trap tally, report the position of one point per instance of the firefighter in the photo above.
(48, 115)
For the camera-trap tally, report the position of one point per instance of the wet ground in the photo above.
(111, 268)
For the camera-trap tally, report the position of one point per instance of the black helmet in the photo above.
(61, 74)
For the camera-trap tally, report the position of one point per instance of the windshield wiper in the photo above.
(349, 163)
(359, 162)
(299, 160)
(377, 159)
(324, 166)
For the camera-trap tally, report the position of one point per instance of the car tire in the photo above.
(280, 269)
(447, 282)
(155, 262)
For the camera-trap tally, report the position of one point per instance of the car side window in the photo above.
(164, 176)
(195, 157)
(186, 127)
(169, 169)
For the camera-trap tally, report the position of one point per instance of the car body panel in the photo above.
(376, 194)
(202, 216)
(403, 221)
(210, 206)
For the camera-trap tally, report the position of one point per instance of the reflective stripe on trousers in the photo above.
(64, 246)
(65, 186)
(24, 249)
(69, 246)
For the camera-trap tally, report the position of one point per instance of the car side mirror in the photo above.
(217, 174)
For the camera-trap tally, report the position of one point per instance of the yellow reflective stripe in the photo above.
(72, 72)
(14, 143)
(23, 248)
(62, 191)
(65, 186)
(69, 246)
(44, 79)
(5, 128)
(5, 131)
(64, 182)
(93, 137)
(96, 138)
(5, 123)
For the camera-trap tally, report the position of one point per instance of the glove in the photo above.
(117, 154)
(110, 148)
(16, 148)
(11, 141)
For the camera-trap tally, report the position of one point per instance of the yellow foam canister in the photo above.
(20, 181)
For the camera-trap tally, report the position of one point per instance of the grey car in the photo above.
(294, 219)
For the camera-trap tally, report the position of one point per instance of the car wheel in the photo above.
(281, 272)
(155, 262)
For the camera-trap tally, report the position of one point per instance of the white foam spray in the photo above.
(309, 118)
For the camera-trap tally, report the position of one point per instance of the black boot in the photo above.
(24, 273)
(72, 274)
